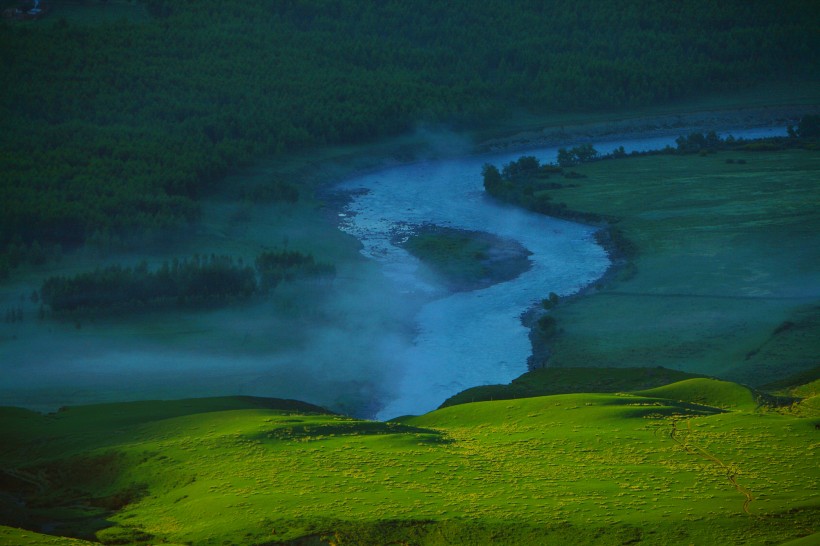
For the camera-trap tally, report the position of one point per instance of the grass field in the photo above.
(546, 381)
(660, 467)
(727, 277)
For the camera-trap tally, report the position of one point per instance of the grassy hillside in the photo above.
(21, 537)
(575, 468)
(724, 277)
(710, 392)
(545, 381)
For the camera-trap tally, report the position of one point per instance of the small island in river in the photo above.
(465, 260)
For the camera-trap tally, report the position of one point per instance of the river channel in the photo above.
(466, 339)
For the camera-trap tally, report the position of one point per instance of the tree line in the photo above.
(210, 281)
(526, 182)
(118, 129)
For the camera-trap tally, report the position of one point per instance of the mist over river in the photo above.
(348, 348)
(472, 338)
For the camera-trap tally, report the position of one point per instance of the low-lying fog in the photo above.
(331, 348)
(370, 344)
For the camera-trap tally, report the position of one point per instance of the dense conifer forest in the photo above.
(114, 131)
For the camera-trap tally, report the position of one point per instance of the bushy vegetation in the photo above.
(214, 280)
(467, 260)
(525, 183)
(288, 265)
(116, 128)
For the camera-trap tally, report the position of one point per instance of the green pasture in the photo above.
(546, 381)
(726, 281)
(656, 468)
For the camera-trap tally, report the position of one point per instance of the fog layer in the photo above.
(378, 341)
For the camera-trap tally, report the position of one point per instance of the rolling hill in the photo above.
(696, 461)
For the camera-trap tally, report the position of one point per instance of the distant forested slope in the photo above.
(114, 130)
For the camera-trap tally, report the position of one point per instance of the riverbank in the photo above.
(649, 126)
(767, 105)
(621, 250)
(770, 105)
(725, 258)
(622, 267)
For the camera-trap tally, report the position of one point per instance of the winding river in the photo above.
(472, 338)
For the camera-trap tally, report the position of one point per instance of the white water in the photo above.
(472, 338)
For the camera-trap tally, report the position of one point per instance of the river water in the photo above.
(355, 359)
(467, 339)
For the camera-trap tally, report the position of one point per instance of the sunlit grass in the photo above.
(603, 463)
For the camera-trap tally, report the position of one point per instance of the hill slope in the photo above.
(545, 381)
(721, 394)
(577, 468)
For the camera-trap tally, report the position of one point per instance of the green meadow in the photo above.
(725, 277)
(694, 462)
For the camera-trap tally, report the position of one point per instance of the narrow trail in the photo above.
(694, 449)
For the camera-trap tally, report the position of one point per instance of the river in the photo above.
(349, 353)
(466, 339)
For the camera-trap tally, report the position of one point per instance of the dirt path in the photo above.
(731, 470)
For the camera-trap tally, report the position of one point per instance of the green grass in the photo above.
(725, 281)
(574, 468)
(799, 380)
(467, 260)
(710, 392)
(21, 537)
(810, 540)
(545, 381)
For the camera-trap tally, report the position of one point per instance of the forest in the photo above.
(115, 131)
